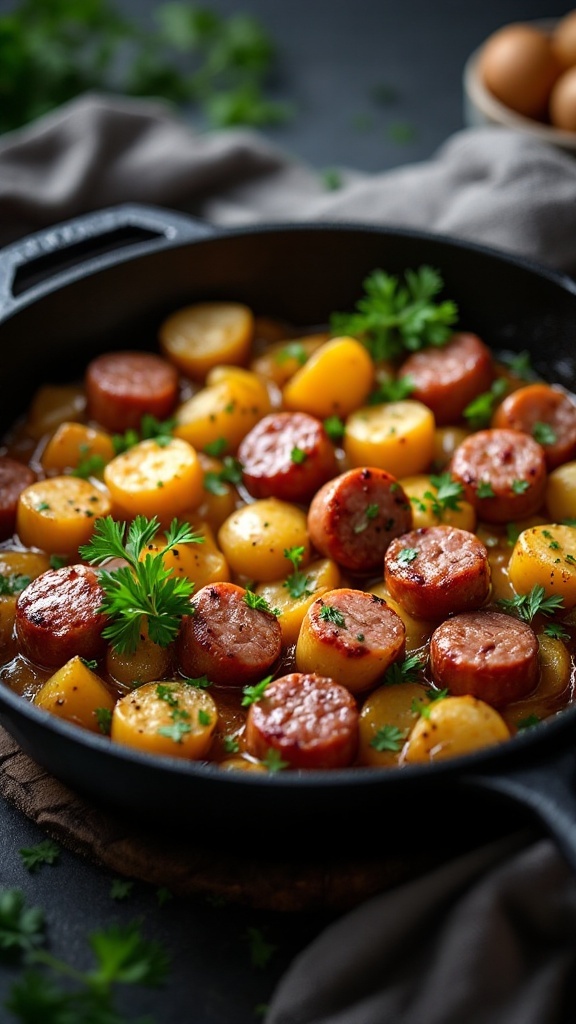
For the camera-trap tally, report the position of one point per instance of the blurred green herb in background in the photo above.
(54, 50)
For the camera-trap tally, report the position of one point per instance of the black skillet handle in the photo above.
(547, 789)
(49, 259)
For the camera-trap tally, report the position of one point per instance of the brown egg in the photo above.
(564, 40)
(519, 68)
(563, 101)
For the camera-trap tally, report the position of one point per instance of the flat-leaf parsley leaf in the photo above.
(143, 589)
(393, 317)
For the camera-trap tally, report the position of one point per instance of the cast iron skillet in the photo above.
(107, 280)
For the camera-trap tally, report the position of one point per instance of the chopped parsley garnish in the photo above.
(512, 533)
(406, 555)
(528, 723)
(198, 682)
(395, 317)
(544, 433)
(448, 495)
(104, 720)
(335, 428)
(122, 957)
(121, 888)
(526, 606)
(151, 429)
(293, 350)
(370, 512)
(273, 760)
(216, 448)
(252, 694)
(479, 411)
(190, 55)
(13, 584)
(143, 590)
(485, 489)
(260, 604)
(230, 744)
(298, 456)
(297, 583)
(389, 737)
(89, 465)
(216, 482)
(331, 178)
(424, 709)
(331, 614)
(556, 631)
(404, 672)
(391, 391)
(519, 362)
(45, 852)
(520, 486)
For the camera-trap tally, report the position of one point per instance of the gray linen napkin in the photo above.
(489, 938)
(487, 185)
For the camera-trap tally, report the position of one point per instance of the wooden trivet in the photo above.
(186, 868)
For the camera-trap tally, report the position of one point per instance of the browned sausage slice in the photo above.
(287, 455)
(226, 639)
(355, 636)
(14, 477)
(308, 719)
(447, 379)
(353, 517)
(57, 616)
(122, 386)
(545, 412)
(437, 570)
(488, 654)
(503, 473)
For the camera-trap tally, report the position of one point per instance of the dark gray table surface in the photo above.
(332, 55)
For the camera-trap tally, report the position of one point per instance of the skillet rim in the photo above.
(512, 749)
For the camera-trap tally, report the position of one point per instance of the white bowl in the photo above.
(482, 108)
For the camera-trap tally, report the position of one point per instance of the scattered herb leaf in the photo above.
(392, 318)
(526, 606)
(143, 589)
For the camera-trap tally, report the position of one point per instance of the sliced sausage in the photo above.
(287, 455)
(14, 478)
(58, 616)
(437, 570)
(545, 412)
(447, 379)
(122, 386)
(226, 639)
(352, 635)
(503, 473)
(354, 516)
(488, 654)
(308, 719)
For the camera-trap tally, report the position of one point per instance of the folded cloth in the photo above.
(488, 185)
(489, 938)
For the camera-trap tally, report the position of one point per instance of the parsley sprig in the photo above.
(15, 583)
(393, 318)
(144, 589)
(151, 429)
(297, 582)
(216, 481)
(478, 412)
(527, 606)
(121, 957)
(448, 495)
(191, 56)
(406, 671)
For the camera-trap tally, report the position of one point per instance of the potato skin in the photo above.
(452, 727)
